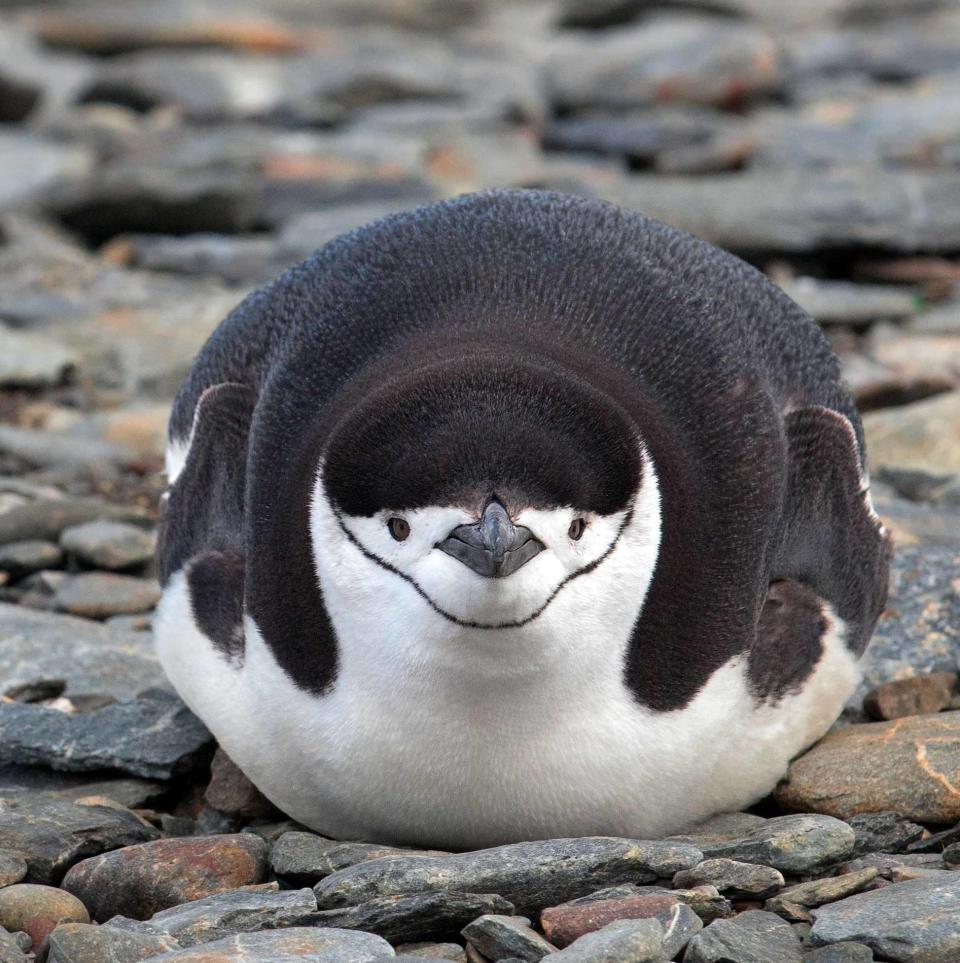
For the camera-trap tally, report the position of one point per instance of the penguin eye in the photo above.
(399, 529)
(576, 529)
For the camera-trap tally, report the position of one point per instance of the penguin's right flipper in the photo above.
(202, 522)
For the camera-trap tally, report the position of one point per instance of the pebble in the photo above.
(139, 881)
(109, 545)
(565, 923)
(36, 910)
(416, 916)
(46, 518)
(733, 879)
(433, 951)
(231, 793)
(530, 875)
(498, 937)
(816, 892)
(626, 941)
(223, 914)
(303, 859)
(914, 920)
(98, 595)
(52, 834)
(908, 766)
(923, 436)
(13, 867)
(22, 558)
(293, 945)
(792, 844)
(884, 832)
(11, 949)
(156, 738)
(87, 943)
(921, 695)
(29, 360)
(751, 937)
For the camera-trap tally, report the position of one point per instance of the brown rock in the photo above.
(565, 923)
(921, 695)
(910, 766)
(36, 910)
(139, 881)
(231, 793)
(924, 436)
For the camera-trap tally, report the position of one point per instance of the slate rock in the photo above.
(568, 922)
(840, 953)
(21, 558)
(507, 936)
(304, 858)
(733, 879)
(897, 867)
(626, 941)
(680, 925)
(791, 844)
(751, 937)
(231, 793)
(52, 834)
(816, 892)
(46, 518)
(98, 595)
(224, 914)
(129, 792)
(108, 544)
(917, 633)
(909, 766)
(139, 881)
(87, 943)
(416, 916)
(36, 910)
(433, 951)
(90, 657)
(914, 920)
(13, 867)
(156, 738)
(530, 875)
(293, 945)
(883, 832)
(705, 901)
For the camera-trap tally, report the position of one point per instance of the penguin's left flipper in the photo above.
(831, 541)
(202, 522)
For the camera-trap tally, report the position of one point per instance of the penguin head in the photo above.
(484, 482)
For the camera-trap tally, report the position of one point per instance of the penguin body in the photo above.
(516, 516)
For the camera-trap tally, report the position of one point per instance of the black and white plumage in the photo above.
(515, 516)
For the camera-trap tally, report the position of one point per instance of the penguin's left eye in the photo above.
(577, 528)
(399, 529)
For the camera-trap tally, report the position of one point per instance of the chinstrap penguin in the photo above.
(516, 516)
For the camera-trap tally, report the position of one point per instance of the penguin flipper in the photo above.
(831, 539)
(202, 522)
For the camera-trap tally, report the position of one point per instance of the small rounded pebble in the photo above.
(36, 909)
(19, 559)
(108, 544)
(98, 595)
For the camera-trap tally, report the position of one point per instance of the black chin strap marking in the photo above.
(463, 623)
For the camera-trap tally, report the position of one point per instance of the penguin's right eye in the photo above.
(399, 529)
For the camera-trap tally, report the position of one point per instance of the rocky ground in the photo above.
(157, 161)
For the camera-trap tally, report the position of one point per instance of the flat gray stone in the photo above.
(886, 832)
(751, 937)
(108, 544)
(29, 360)
(304, 858)
(733, 879)
(293, 945)
(98, 595)
(87, 943)
(840, 953)
(156, 738)
(130, 792)
(52, 834)
(21, 558)
(88, 656)
(433, 951)
(680, 925)
(816, 892)
(226, 914)
(530, 875)
(415, 916)
(791, 844)
(497, 937)
(46, 518)
(911, 921)
(626, 941)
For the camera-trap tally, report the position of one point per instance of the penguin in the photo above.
(516, 516)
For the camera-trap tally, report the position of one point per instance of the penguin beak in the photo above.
(493, 547)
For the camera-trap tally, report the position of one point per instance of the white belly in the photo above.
(544, 747)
